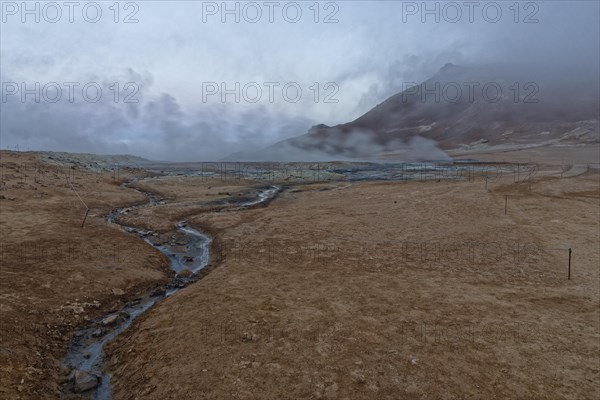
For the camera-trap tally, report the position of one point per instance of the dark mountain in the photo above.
(460, 107)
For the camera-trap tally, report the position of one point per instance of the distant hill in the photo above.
(94, 160)
(459, 107)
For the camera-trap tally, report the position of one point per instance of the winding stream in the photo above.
(85, 356)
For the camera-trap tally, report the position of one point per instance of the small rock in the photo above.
(159, 291)
(248, 337)
(358, 376)
(110, 320)
(135, 301)
(118, 292)
(98, 333)
(78, 310)
(68, 377)
(84, 381)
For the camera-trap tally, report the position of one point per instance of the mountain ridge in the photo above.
(495, 104)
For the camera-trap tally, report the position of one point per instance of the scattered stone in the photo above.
(68, 376)
(248, 337)
(84, 381)
(98, 333)
(358, 376)
(110, 320)
(159, 291)
(78, 310)
(118, 292)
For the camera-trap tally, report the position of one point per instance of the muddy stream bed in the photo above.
(188, 254)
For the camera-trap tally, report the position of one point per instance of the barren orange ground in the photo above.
(372, 290)
(384, 291)
(55, 275)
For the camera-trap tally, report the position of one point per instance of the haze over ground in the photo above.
(462, 264)
(177, 54)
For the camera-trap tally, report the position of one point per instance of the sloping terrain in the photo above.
(459, 108)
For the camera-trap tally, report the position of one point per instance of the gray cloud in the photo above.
(371, 53)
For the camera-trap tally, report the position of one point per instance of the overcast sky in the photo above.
(177, 55)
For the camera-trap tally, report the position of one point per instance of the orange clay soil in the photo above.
(379, 290)
(55, 275)
(338, 290)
